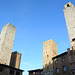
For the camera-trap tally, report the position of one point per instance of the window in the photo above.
(41, 72)
(17, 73)
(73, 39)
(57, 70)
(73, 73)
(64, 67)
(68, 5)
(1, 69)
(47, 56)
(63, 59)
(36, 72)
(11, 71)
(47, 68)
(56, 61)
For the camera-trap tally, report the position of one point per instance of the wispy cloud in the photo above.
(26, 63)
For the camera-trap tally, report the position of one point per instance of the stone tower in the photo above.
(69, 13)
(6, 43)
(15, 59)
(49, 51)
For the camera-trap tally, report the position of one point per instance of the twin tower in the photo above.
(8, 57)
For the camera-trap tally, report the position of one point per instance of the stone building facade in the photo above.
(49, 51)
(36, 72)
(15, 59)
(71, 60)
(60, 64)
(6, 43)
(64, 64)
(8, 70)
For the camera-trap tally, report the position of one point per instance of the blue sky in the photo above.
(36, 21)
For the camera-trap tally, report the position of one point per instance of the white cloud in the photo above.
(26, 63)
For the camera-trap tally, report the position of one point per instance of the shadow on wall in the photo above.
(48, 68)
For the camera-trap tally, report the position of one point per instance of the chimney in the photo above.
(68, 50)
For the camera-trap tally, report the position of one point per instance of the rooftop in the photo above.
(59, 55)
(35, 70)
(10, 67)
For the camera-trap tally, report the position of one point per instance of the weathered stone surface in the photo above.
(69, 13)
(15, 59)
(6, 43)
(49, 51)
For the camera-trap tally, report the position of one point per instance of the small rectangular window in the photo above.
(41, 72)
(57, 70)
(11, 71)
(64, 68)
(63, 59)
(1, 69)
(17, 73)
(56, 61)
(48, 68)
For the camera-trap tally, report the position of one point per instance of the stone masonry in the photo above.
(69, 13)
(6, 43)
(15, 59)
(49, 51)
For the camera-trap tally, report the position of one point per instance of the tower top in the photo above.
(9, 24)
(69, 5)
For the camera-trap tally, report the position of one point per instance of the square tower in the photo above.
(15, 59)
(49, 51)
(69, 13)
(6, 43)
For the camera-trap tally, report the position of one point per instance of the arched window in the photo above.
(73, 39)
(68, 5)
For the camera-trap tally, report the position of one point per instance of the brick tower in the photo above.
(6, 43)
(49, 51)
(15, 59)
(69, 13)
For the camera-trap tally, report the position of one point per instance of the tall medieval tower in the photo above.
(49, 51)
(69, 13)
(6, 43)
(15, 59)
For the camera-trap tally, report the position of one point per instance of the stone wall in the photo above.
(69, 13)
(6, 43)
(49, 51)
(15, 59)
